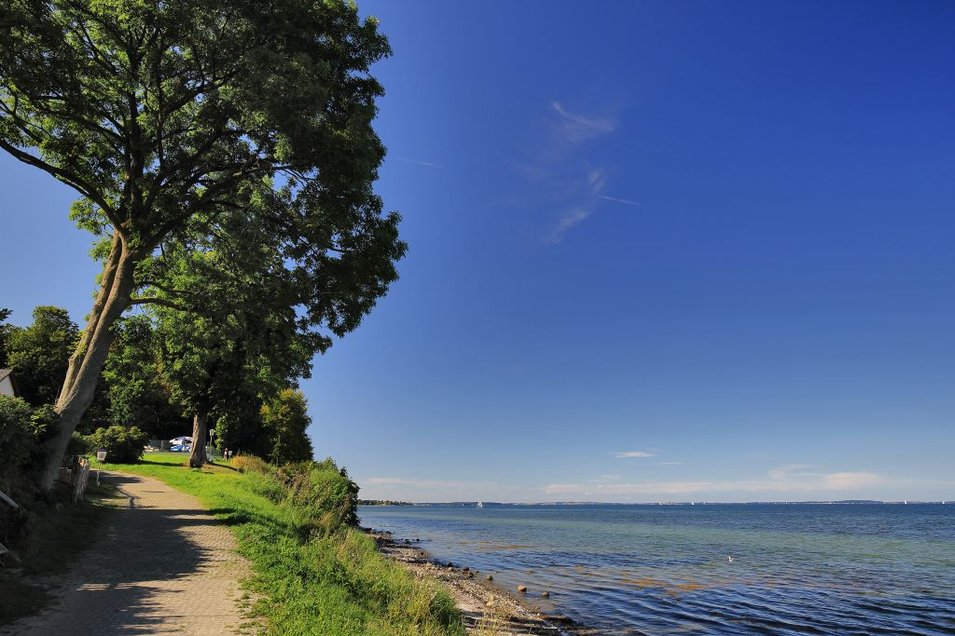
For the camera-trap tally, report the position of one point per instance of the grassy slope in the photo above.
(333, 585)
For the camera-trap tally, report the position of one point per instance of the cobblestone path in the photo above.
(161, 565)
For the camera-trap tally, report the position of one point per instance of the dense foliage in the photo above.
(201, 127)
(39, 354)
(122, 445)
(285, 421)
(23, 429)
(4, 335)
(135, 394)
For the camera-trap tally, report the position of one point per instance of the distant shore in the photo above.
(486, 608)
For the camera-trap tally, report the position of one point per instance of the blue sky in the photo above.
(658, 251)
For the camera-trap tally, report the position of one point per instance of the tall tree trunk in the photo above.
(199, 434)
(116, 287)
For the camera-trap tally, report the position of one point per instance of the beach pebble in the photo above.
(489, 577)
(522, 589)
(545, 594)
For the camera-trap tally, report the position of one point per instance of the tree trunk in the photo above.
(199, 434)
(116, 287)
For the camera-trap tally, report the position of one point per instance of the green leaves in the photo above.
(227, 152)
(167, 117)
(39, 354)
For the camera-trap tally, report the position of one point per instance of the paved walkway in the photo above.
(162, 565)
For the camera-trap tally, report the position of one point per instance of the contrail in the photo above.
(427, 164)
(624, 201)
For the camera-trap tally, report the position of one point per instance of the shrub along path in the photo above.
(162, 564)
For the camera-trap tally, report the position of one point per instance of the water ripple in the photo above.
(711, 570)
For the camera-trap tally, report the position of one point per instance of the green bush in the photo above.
(321, 496)
(318, 495)
(122, 445)
(22, 431)
(16, 434)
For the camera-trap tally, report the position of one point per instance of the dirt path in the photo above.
(161, 565)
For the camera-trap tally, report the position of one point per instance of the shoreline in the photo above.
(487, 608)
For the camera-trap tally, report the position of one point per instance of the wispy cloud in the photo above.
(568, 219)
(670, 463)
(624, 201)
(788, 471)
(421, 483)
(791, 480)
(560, 170)
(426, 164)
(417, 489)
(629, 454)
(579, 128)
(851, 481)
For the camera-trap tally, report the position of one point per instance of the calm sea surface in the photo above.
(708, 569)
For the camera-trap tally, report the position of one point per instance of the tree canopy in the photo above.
(286, 420)
(180, 122)
(39, 354)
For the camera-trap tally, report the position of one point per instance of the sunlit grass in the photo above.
(334, 584)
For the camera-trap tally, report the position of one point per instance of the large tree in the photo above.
(228, 334)
(164, 116)
(135, 394)
(285, 419)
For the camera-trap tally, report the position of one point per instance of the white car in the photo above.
(182, 440)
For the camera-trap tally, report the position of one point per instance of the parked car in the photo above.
(181, 444)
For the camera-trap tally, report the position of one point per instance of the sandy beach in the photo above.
(487, 608)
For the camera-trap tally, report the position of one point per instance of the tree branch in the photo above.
(163, 302)
(68, 178)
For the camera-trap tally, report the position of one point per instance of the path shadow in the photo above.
(127, 582)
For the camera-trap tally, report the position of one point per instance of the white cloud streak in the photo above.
(579, 128)
(568, 219)
(421, 490)
(782, 481)
(629, 454)
(623, 201)
(426, 164)
(559, 173)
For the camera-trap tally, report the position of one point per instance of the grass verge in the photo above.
(307, 582)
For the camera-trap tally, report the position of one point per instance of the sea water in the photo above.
(707, 569)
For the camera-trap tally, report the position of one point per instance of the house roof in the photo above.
(5, 372)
